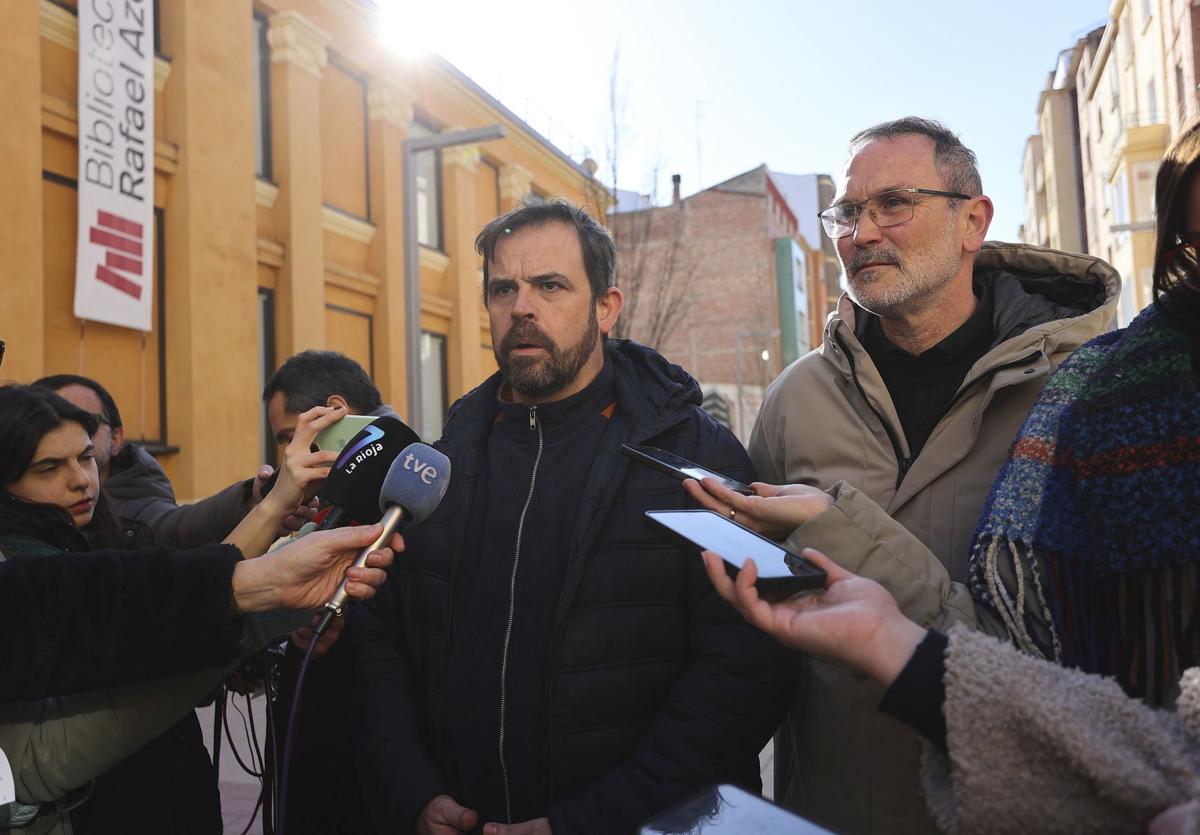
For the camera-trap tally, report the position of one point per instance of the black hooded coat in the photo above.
(653, 687)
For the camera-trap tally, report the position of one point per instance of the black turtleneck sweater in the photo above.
(485, 592)
(923, 387)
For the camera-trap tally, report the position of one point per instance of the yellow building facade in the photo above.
(279, 211)
(1123, 135)
(1109, 111)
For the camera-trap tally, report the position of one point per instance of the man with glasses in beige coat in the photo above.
(890, 434)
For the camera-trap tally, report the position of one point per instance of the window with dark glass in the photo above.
(266, 366)
(262, 100)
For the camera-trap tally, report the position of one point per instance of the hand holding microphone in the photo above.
(302, 472)
(297, 480)
(351, 490)
(414, 486)
(304, 573)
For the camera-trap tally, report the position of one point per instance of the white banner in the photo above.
(114, 267)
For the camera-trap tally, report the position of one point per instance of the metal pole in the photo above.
(409, 148)
(412, 290)
(737, 341)
(737, 363)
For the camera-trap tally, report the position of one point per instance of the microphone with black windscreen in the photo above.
(355, 479)
(348, 478)
(414, 486)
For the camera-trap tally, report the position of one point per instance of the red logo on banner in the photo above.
(122, 239)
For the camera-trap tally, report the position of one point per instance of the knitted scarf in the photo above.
(1089, 543)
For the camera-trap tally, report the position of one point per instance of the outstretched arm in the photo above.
(132, 615)
(853, 620)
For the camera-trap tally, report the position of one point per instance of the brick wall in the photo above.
(728, 263)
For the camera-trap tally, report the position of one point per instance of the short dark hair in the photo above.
(955, 162)
(57, 382)
(599, 250)
(309, 379)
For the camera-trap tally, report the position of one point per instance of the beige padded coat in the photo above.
(828, 421)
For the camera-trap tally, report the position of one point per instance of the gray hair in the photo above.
(956, 163)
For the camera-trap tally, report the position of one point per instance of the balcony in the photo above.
(1146, 133)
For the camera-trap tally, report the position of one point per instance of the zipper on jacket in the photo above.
(906, 463)
(902, 461)
(534, 425)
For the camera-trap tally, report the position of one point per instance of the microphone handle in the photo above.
(392, 517)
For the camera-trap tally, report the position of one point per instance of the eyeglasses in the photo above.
(888, 208)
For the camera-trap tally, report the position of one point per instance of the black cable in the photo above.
(218, 703)
(270, 784)
(281, 812)
(232, 747)
(254, 749)
(254, 814)
(251, 739)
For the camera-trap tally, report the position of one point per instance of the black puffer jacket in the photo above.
(655, 689)
(134, 614)
(167, 785)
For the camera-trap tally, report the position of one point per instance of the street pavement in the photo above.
(239, 791)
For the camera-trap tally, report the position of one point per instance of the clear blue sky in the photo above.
(785, 83)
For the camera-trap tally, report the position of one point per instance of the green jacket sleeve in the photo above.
(60, 744)
(57, 745)
(861, 537)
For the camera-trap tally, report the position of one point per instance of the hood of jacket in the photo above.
(136, 474)
(1044, 299)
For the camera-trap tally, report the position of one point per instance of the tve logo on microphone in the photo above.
(361, 451)
(426, 472)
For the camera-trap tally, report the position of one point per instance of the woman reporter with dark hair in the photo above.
(51, 508)
(1088, 557)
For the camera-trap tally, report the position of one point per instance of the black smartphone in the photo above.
(780, 572)
(728, 810)
(681, 468)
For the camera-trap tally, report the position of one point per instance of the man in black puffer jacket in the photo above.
(538, 656)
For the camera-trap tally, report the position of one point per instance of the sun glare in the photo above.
(412, 30)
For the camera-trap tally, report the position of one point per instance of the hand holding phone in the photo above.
(780, 572)
(333, 438)
(774, 511)
(679, 467)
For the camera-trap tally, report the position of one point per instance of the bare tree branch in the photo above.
(654, 267)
